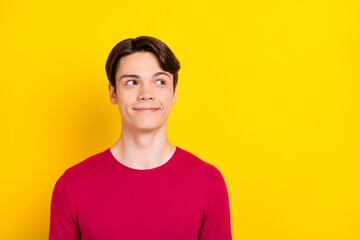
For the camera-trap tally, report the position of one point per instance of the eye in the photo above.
(131, 82)
(160, 82)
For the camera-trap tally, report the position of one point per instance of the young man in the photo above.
(143, 187)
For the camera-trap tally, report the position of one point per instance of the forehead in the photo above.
(138, 62)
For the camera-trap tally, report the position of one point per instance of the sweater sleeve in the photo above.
(216, 223)
(62, 221)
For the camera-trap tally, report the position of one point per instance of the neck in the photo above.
(143, 150)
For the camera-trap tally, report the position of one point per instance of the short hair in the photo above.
(167, 60)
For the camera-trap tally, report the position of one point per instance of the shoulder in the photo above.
(198, 166)
(86, 168)
(202, 176)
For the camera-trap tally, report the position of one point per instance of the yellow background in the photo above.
(268, 93)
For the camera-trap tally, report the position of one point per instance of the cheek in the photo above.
(165, 96)
(123, 101)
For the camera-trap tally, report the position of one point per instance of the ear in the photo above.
(113, 97)
(174, 97)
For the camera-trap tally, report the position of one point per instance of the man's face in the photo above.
(144, 92)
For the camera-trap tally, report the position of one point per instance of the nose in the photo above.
(145, 93)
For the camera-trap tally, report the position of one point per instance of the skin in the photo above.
(144, 95)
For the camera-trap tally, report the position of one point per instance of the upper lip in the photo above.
(146, 108)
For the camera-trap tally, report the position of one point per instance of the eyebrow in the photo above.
(137, 76)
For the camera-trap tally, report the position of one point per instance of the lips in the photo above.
(146, 109)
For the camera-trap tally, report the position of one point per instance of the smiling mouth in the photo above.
(146, 110)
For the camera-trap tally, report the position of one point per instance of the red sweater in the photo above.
(101, 199)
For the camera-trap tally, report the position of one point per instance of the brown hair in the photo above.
(167, 60)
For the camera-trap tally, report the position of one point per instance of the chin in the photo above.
(147, 127)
